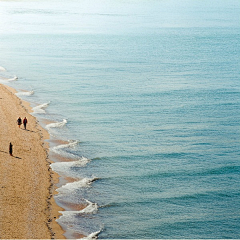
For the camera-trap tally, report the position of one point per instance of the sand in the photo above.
(27, 206)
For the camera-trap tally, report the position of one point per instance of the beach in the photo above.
(140, 103)
(27, 206)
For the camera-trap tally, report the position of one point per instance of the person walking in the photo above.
(25, 123)
(19, 121)
(10, 149)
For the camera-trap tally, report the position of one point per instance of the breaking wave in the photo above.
(40, 108)
(92, 236)
(60, 150)
(12, 79)
(25, 93)
(66, 166)
(70, 187)
(2, 69)
(91, 208)
(57, 124)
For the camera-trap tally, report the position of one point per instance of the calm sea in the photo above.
(143, 98)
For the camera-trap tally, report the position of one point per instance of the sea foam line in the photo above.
(92, 236)
(40, 108)
(60, 151)
(25, 93)
(6, 79)
(12, 79)
(65, 166)
(2, 69)
(70, 144)
(70, 187)
(60, 148)
(57, 124)
(91, 208)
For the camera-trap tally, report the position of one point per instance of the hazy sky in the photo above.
(111, 16)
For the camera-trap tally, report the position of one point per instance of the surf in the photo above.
(71, 187)
(92, 236)
(12, 79)
(91, 208)
(24, 93)
(2, 69)
(40, 108)
(8, 79)
(63, 151)
(57, 124)
(67, 166)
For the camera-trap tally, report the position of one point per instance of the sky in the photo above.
(111, 16)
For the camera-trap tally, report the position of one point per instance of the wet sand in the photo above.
(27, 183)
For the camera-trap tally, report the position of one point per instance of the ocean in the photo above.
(141, 99)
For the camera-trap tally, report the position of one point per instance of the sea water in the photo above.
(143, 100)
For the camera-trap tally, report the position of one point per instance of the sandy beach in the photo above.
(27, 206)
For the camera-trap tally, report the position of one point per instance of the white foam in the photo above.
(25, 93)
(40, 108)
(90, 209)
(70, 144)
(70, 187)
(65, 166)
(60, 149)
(2, 69)
(57, 124)
(12, 79)
(92, 236)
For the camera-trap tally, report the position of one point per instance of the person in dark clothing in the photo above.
(19, 121)
(25, 122)
(10, 149)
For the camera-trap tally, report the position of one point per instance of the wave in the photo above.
(57, 124)
(77, 161)
(91, 208)
(12, 79)
(2, 69)
(60, 149)
(92, 236)
(6, 76)
(70, 187)
(25, 93)
(65, 166)
(7, 79)
(40, 108)
(71, 144)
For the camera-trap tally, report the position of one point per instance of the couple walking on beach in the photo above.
(19, 121)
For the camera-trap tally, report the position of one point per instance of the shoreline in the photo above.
(27, 182)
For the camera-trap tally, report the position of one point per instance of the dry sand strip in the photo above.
(27, 207)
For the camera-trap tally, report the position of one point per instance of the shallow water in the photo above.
(142, 102)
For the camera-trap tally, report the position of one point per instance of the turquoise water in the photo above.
(146, 94)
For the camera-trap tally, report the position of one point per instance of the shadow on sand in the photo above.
(12, 155)
(27, 130)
